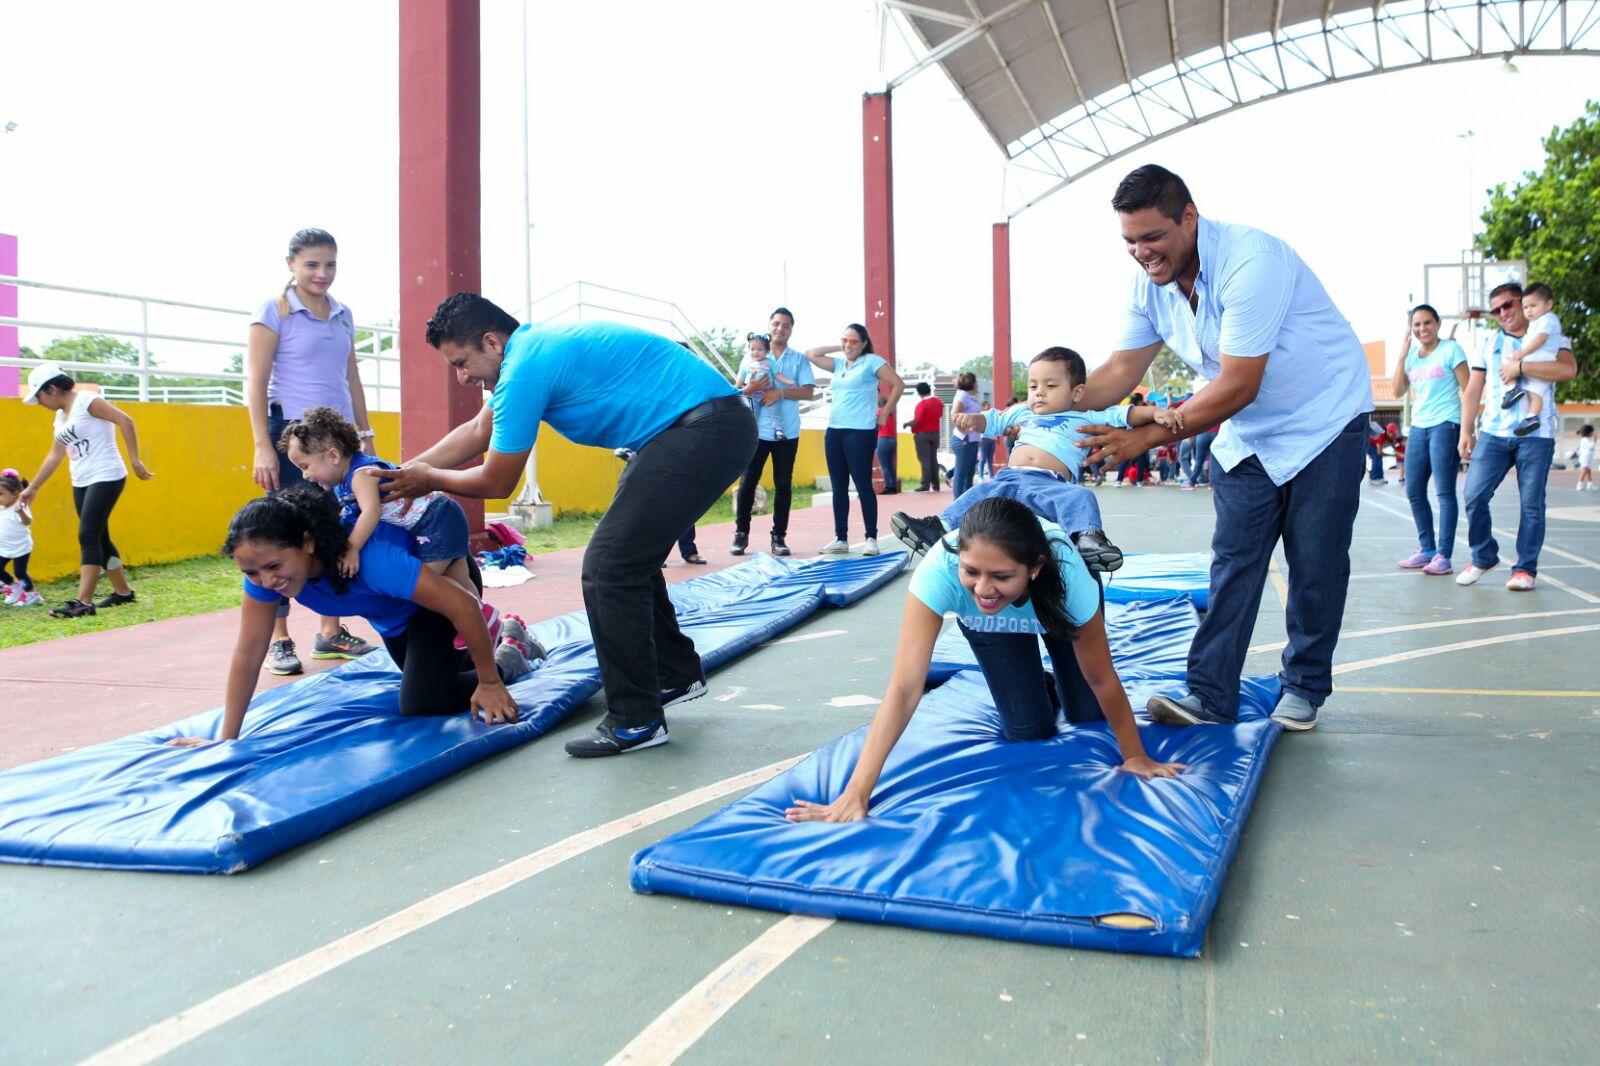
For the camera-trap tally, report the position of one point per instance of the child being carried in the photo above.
(1046, 460)
(324, 445)
(1541, 344)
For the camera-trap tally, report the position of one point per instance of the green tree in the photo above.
(983, 367)
(91, 348)
(1551, 218)
(1170, 373)
(721, 347)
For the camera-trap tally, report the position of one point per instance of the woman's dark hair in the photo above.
(1015, 530)
(967, 381)
(1584, 430)
(465, 318)
(321, 428)
(303, 239)
(866, 338)
(1152, 186)
(12, 481)
(59, 383)
(1075, 368)
(283, 519)
(1428, 308)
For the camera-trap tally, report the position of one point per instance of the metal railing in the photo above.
(378, 350)
(650, 312)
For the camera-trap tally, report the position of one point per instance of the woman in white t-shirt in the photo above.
(1010, 578)
(86, 437)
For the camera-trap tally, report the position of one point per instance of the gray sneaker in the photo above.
(342, 645)
(1295, 713)
(281, 658)
(1182, 710)
(512, 628)
(509, 661)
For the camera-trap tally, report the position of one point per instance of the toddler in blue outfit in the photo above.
(1046, 459)
(325, 447)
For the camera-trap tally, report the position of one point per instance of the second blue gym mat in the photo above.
(322, 752)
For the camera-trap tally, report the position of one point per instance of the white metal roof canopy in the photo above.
(1066, 86)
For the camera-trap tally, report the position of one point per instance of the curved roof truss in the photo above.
(1066, 86)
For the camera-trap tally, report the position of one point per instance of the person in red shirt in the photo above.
(924, 426)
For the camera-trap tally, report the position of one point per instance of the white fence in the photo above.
(194, 339)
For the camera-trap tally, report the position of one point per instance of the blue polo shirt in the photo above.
(595, 383)
(380, 592)
(1435, 396)
(785, 414)
(855, 392)
(1257, 298)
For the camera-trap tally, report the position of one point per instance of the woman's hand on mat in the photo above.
(1146, 767)
(266, 471)
(847, 808)
(350, 562)
(141, 471)
(492, 703)
(188, 742)
(409, 482)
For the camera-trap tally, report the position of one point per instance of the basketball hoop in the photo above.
(1474, 314)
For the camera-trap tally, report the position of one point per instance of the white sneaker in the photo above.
(1472, 573)
(869, 546)
(834, 547)
(27, 599)
(7, 591)
(1520, 581)
(15, 594)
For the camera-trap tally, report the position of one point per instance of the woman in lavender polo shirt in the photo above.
(302, 355)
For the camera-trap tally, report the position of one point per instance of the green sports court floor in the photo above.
(1418, 880)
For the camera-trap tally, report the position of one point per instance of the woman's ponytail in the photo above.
(283, 519)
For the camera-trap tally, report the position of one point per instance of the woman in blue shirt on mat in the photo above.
(288, 546)
(1009, 577)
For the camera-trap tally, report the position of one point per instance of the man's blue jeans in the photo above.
(1314, 514)
(1375, 454)
(1432, 452)
(1491, 460)
(1202, 452)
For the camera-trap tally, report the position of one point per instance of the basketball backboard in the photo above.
(1461, 290)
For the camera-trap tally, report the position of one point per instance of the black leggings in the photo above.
(21, 563)
(94, 504)
(435, 678)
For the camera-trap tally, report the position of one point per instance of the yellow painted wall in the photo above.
(201, 457)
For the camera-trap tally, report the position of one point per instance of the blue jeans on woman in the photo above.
(986, 457)
(966, 463)
(1202, 452)
(1431, 452)
(889, 463)
(849, 455)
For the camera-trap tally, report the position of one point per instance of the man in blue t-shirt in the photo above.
(610, 386)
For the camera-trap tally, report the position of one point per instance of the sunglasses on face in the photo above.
(1501, 309)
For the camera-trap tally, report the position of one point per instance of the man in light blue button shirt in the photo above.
(1289, 382)
(777, 408)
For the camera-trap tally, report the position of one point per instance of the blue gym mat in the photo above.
(1149, 639)
(1042, 841)
(1144, 577)
(322, 752)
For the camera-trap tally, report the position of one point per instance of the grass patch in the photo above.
(211, 583)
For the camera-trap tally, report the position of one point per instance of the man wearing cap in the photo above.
(1288, 380)
(609, 386)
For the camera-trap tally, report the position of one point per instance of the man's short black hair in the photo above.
(1506, 286)
(923, 388)
(1075, 370)
(785, 312)
(464, 319)
(1152, 186)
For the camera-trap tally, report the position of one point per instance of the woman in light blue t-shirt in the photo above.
(1434, 370)
(1009, 578)
(853, 423)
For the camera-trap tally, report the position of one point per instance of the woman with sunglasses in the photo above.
(853, 423)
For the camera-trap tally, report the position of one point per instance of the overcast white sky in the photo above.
(689, 151)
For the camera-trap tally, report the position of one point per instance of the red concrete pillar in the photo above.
(878, 169)
(1002, 325)
(439, 209)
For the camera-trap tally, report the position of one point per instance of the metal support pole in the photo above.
(878, 168)
(439, 209)
(144, 352)
(1002, 326)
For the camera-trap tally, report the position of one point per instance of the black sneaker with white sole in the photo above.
(671, 697)
(1512, 397)
(918, 534)
(1099, 554)
(608, 739)
(741, 541)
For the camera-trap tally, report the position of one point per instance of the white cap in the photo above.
(38, 377)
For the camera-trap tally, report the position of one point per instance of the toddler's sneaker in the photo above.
(1418, 561)
(918, 534)
(1099, 554)
(1520, 581)
(1511, 398)
(869, 546)
(1472, 573)
(1526, 426)
(834, 547)
(1437, 566)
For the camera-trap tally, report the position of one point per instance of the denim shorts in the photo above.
(441, 533)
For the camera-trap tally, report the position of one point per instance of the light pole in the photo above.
(527, 174)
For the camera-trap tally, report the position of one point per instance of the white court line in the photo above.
(172, 1033)
(1511, 535)
(1465, 645)
(1279, 645)
(801, 638)
(686, 1021)
(1587, 597)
